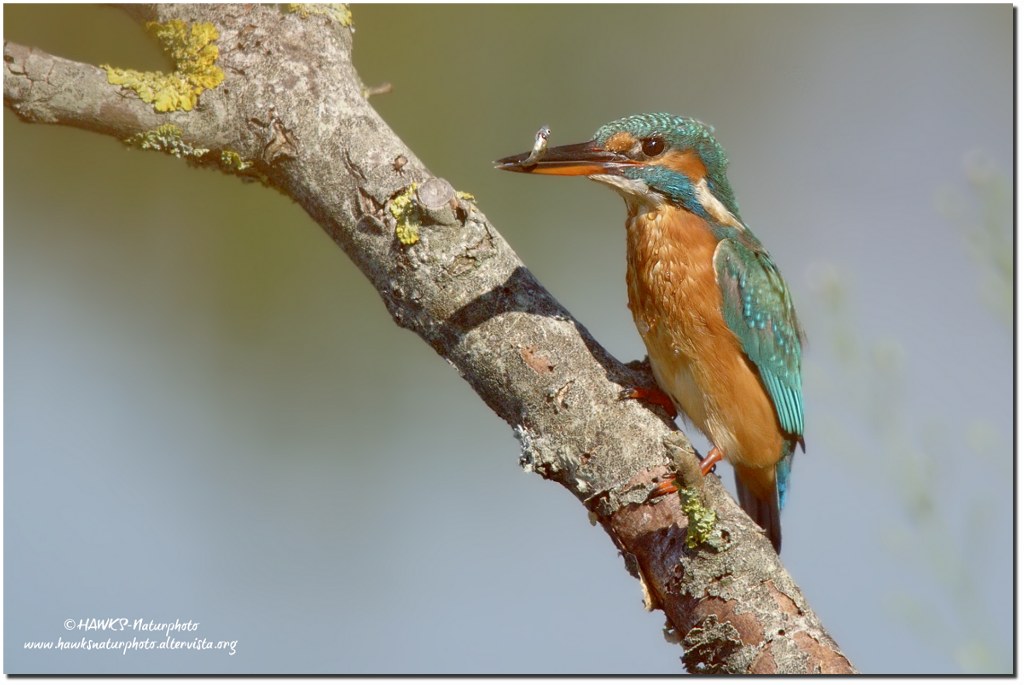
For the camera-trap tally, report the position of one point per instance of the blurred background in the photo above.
(210, 416)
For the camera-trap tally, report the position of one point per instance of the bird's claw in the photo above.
(685, 471)
(653, 396)
(664, 487)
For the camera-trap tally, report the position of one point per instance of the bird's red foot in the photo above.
(665, 487)
(707, 464)
(651, 396)
(670, 485)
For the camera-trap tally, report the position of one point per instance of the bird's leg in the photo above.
(707, 464)
(651, 396)
(669, 486)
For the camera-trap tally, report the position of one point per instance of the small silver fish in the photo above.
(540, 146)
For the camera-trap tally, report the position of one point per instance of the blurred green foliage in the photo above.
(985, 218)
(894, 450)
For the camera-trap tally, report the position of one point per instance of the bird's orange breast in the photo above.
(696, 359)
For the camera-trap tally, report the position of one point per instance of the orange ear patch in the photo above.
(685, 162)
(620, 142)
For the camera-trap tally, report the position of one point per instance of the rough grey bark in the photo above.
(293, 104)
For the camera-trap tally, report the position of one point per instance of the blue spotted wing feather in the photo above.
(757, 307)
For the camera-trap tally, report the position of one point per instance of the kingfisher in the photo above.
(713, 310)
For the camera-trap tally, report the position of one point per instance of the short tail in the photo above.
(765, 512)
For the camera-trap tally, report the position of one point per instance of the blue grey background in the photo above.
(210, 416)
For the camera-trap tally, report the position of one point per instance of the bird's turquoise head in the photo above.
(649, 159)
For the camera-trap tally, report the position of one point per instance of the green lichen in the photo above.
(701, 519)
(468, 197)
(166, 138)
(403, 208)
(339, 12)
(233, 161)
(192, 48)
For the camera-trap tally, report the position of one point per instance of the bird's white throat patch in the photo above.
(713, 206)
(637, 193)
(641, 198)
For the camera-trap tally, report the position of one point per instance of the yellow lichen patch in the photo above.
(701, 519)
(337, 11)
(403, 208)
(192, 48)
(468, 197)
(232, 160)
(166, 138)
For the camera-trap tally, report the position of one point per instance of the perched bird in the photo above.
(711, 306)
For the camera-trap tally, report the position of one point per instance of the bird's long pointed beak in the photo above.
(578, 159)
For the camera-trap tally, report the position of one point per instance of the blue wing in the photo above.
(757, 307)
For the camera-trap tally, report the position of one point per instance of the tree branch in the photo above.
(452, 279)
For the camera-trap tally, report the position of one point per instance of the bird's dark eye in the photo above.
(652, 147)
